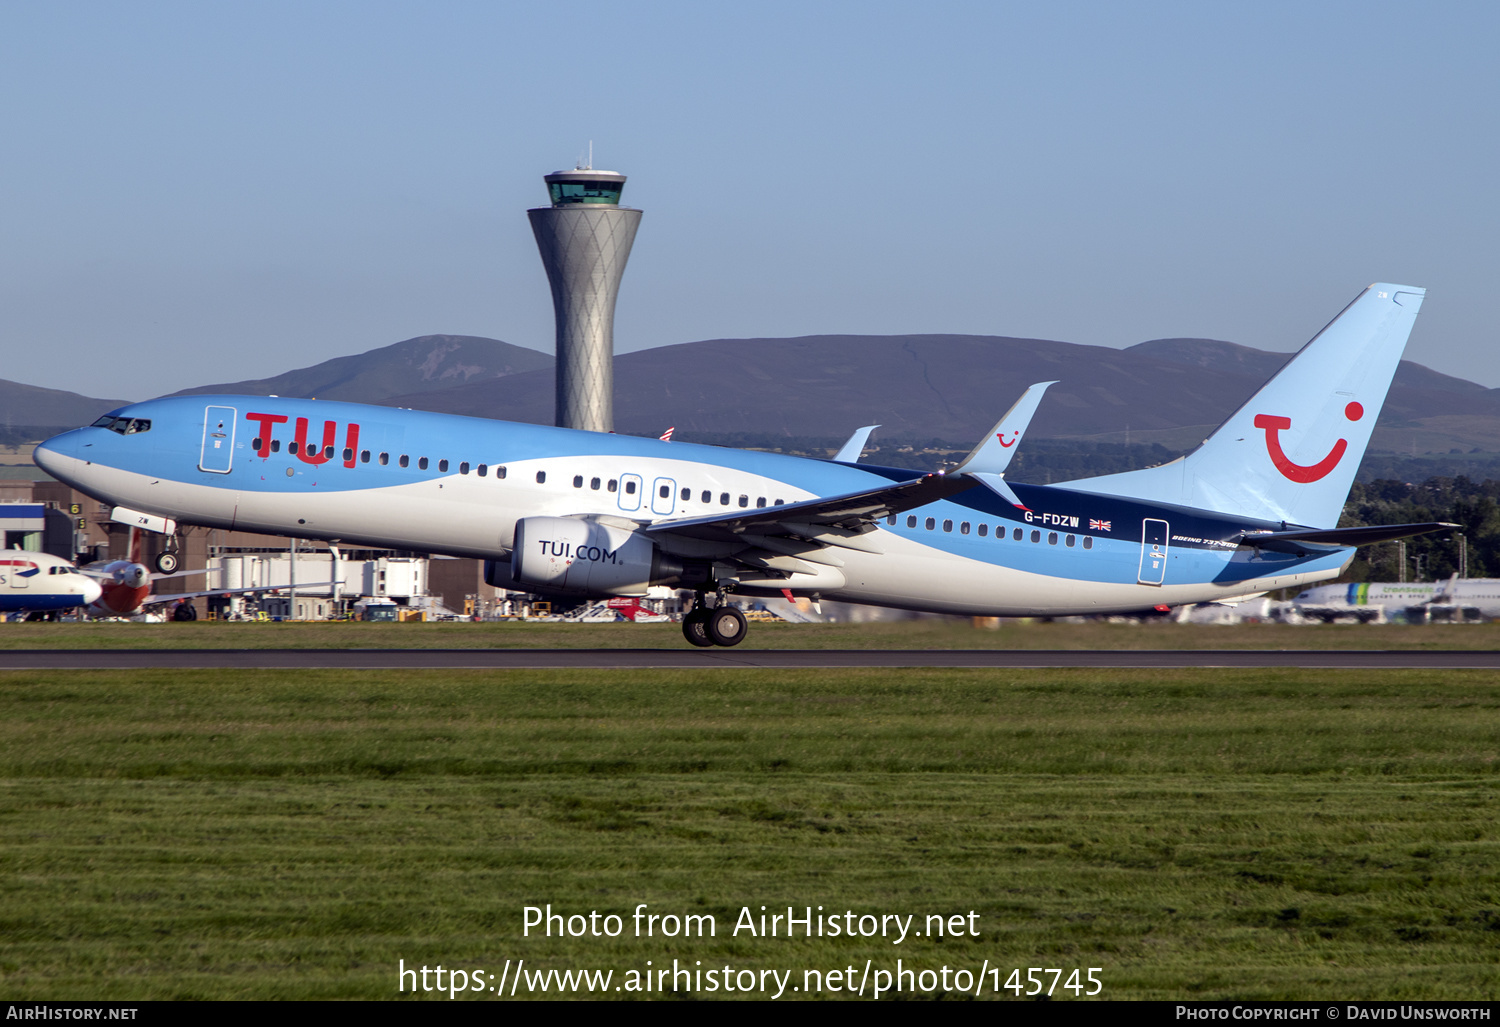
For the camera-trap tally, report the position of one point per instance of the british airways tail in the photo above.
(1291, 452)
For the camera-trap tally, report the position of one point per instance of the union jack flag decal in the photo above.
(1098, 525)
(666, 436)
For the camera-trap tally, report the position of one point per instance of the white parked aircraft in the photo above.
(42, 583)
(1363, 598)
(593, 515)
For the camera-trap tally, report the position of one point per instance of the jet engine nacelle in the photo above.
(569, 554)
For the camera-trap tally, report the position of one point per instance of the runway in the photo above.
(768, 659)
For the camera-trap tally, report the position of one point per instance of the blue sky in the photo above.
(207, 192)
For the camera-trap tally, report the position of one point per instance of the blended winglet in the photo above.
(994, 452)
(851, 451)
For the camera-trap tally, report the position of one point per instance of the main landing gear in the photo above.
(720, 624)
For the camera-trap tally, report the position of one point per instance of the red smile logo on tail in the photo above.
(1303, 473)
(1000, 436)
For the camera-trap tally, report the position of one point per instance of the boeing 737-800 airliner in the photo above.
(565, 512)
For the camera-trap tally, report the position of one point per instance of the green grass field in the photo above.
(1195, 834)
(914, 634)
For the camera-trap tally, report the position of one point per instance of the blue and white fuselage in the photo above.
(414, 482)
(585, 513)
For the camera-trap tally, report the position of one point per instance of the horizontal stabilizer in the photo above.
(1363, 536)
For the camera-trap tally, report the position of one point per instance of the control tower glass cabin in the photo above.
(585, 239)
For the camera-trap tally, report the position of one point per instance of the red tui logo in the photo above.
(1303, 474)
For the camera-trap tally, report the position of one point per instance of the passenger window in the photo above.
(1051, 538)
(778, 503)
(891, 520)
(1069, 541)
(947, 525)
(744, 501)
(328, 453)
(276, 446)
(1017, 535)
(578, 481)
(541, 477)
(760, 502)
(708, 497)
(500, 471)
(594, 484)
(291, 447)
(612, 485)
(405, 460)
(723, 498)
(687, 494)
(482, 469)
(666, 491)
(364, 456)
(1088, 542)
(348, 454)
(385, 458)
(931, 523)
(1036, 536)
(963, 529)
(421, 463)
(911, 521)
(463, 468)
(984, 529)
(630, 488)
(255, 445)
(443, 466)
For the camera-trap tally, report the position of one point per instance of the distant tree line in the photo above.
(1473, 505)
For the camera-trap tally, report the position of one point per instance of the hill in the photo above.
(30, 412)
(953, 387)
(429, 363)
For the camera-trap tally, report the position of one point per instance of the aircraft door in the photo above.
(20, 572)
(1153, 551)
(630, 492)
(217, 455)
(662, 499)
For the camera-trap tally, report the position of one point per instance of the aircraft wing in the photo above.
(835, 520)
(1363, 536)
(172, 597)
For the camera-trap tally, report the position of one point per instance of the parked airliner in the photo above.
(1370, 598)
(565, 512)
(42, 583)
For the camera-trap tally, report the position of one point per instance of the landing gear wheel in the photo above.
(726, 625)
(695, 627)
(166, 563)
(185, 612)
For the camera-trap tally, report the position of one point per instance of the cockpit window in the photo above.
(123, 425)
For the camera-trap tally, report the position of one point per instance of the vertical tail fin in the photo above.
(1291, 452)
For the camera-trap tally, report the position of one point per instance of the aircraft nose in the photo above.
(56, 453)
(91, 591)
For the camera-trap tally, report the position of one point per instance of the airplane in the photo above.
(125, 587)
(563, 512)
(1365, 599)
(42, 583)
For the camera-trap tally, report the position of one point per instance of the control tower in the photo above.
(585, 239)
